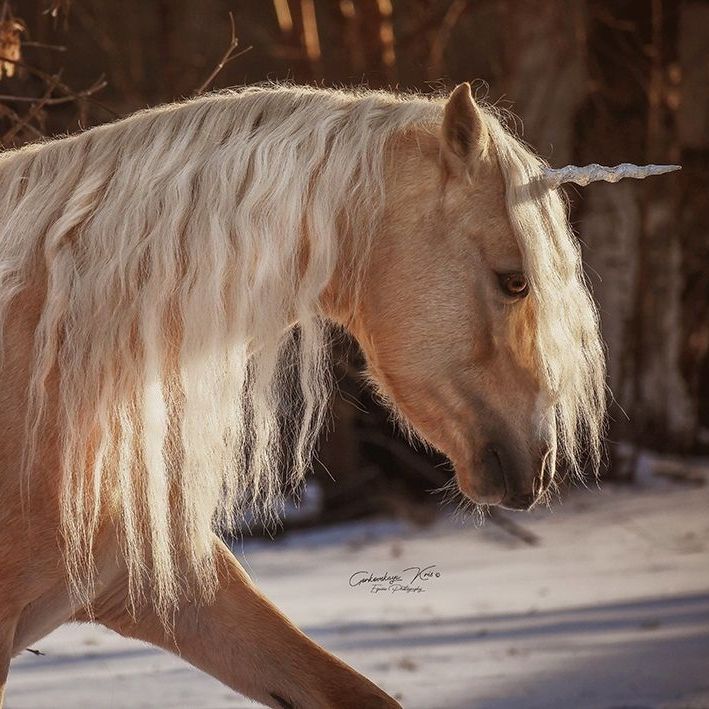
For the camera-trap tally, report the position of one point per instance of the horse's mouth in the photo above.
(519, 502)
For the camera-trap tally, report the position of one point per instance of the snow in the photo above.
(609, 610)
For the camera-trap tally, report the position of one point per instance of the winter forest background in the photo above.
(588, 80)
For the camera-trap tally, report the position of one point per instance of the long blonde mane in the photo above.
(181, 245)
(567, 327)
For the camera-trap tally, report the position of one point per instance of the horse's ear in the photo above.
(464, 135)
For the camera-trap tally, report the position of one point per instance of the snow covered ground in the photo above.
(609, 610)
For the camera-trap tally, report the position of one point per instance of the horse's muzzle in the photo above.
(525, 480)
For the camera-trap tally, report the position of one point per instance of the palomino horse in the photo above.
(152, 274)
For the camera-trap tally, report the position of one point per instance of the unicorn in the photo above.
(163, 277)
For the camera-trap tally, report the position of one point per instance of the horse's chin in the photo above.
(480, 486)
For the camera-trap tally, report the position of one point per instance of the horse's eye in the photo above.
(514, 284)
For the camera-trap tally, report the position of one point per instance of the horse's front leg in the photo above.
(8, 627)
(7, 633)
(247, 643)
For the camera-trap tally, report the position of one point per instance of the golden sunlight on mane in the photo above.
(172, 244)
(567, 336)
(184, 223)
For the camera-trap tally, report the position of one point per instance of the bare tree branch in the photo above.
(57, 100)
(33, 113)
(228, 56)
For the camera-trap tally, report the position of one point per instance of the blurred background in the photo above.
(589, 80)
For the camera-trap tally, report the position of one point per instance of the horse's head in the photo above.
(460, 303)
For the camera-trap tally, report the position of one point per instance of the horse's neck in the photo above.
(412, 168)
(338, 300)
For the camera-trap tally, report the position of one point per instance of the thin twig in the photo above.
(52, 83)
(42, 45)
(16, 118)
(100, 84)
(32, 113)
(45, 76)
(228, 56)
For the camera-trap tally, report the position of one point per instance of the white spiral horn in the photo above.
(583, 176)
